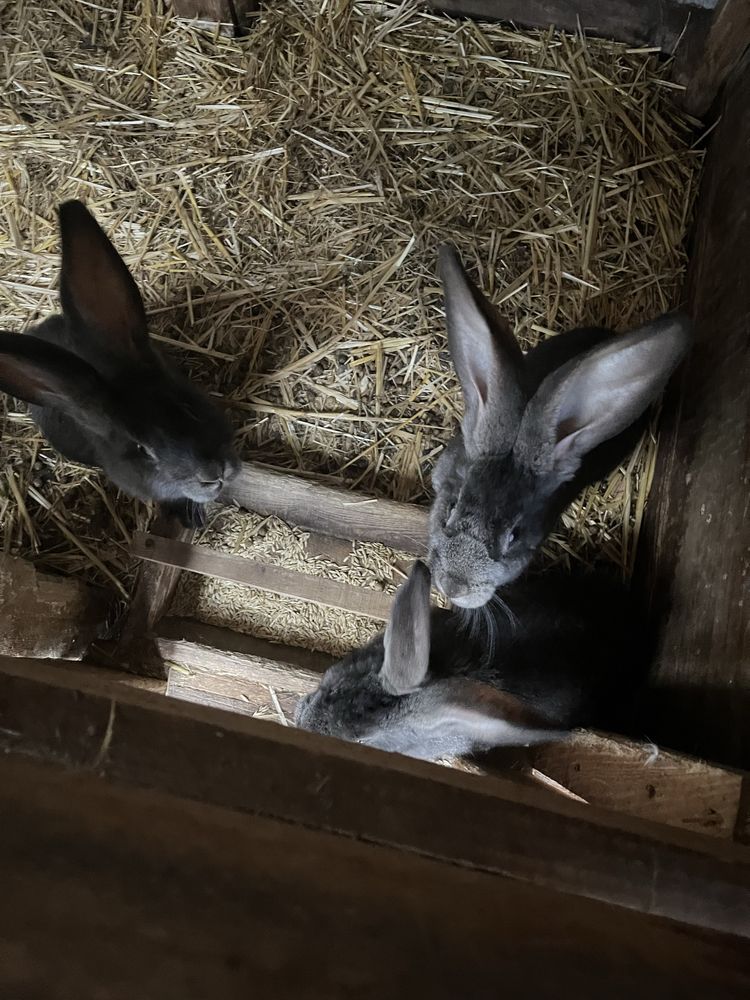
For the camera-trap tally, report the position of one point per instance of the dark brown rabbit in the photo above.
(537, 428)
(101, 392)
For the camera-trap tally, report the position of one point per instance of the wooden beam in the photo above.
(185, 900)
(643, 780)
(670, 25)
(228, 670)
(694, 559)
(137, 738)
(275, 579)
(727, 40)
(237, 673)
(230, 15)
(43, 615)
(329, 510)
(153, 593)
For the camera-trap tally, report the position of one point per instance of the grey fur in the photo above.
(566, 658)
(101, 392)
(536, 430)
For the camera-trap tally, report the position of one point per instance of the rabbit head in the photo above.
(102, 393)
(525, 441)
(385, 695)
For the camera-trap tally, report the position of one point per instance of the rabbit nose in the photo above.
(451, 586)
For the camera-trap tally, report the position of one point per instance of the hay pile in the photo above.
(280, 199)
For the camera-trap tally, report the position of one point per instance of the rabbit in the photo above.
(537, 429)
(567, 657)
(101, 392)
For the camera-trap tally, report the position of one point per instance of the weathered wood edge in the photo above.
(143, 739)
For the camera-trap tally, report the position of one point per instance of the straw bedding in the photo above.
(280, 199)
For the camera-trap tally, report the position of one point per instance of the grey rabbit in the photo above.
(427, 689)
(101, 392)
(537, 428)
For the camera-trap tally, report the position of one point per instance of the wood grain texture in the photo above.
(43, 615)
(695, 550)
(728, 37)
(118, 892)
(644, 781)
(224, 669)
(275, 579)
(670, 25)
(329, 510)
(235, 672)
(137, 738)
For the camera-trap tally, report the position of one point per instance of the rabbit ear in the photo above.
(479, 715)
(487, 359)
(97, 290)
(47, 375)
(593, 398)
(407, 636)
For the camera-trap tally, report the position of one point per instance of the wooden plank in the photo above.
(275, 579)
(294, 667)
(203, 687)
(728, 37)
(42, 615)
(235, 672)
(329, 510)
(231, 15)
(670, 25)
(694, 559)
(645, 781)
(153, 593)
(489, 825)
(188, 901)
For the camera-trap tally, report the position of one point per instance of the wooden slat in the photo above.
(494, 826)
(46, 615)
(153, 593)
(118, 892)
(645, 781)
(694, 555)
(670, 25)
(728, 38)
(275, 579)
(329, 510)
(235, 673)
(219, 655)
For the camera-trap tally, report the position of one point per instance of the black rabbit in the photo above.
(569, 656)
(101, 392)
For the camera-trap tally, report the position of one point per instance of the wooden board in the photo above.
(645, 781)
(275, 579)
(695, 551)
(727, 40)
(231, 15)
(153, 593)
(329, 510)
(43, 615)
(670, 25)
(118, 892)
(239, 673)
(134, 737)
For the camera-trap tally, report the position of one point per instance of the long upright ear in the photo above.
(593, 398)
(478, 715)
(47, 375)
(407, 636)
(97, 291)
(487, 359)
